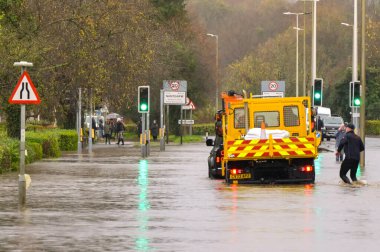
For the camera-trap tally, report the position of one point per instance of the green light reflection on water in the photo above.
(317, 164)
(142, 242)
(359, 172)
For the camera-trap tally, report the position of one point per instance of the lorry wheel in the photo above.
(209, 168)
(210, 175)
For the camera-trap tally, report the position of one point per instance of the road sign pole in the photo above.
(181, 126)
(21, 177)
(22, 180)
(23, 93)
(191, 126)
(167, 124)
(162, 136)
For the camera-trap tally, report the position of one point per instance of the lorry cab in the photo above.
(288, 114)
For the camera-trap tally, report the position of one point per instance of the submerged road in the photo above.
(113, 200)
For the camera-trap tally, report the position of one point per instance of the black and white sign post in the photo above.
(24, 93)
(162, 127)
(174, 94)
(189, 106)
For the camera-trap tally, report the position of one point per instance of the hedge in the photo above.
(9, 154)
(34, 152)
(54, 141)
(201, 129)
(373, 127)
(38, 144)
(68, 140)
(49, 142)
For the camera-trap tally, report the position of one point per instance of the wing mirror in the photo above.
(210, 142)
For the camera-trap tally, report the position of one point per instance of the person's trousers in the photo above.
(108, 138)
(349, 165)
(120, 137)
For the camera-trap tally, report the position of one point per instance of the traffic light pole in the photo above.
(143, 136)
(143, 108)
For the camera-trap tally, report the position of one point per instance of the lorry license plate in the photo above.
(240, 176)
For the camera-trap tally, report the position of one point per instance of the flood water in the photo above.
(113, 200)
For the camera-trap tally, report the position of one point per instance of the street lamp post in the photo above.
(363, 80)
(354, 111)
(354, 63)
(297, 29)
(314, 41)
(216, 69)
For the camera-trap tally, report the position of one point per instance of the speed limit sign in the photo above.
(273, 86)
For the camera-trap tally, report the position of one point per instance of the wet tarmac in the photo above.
(113, 200)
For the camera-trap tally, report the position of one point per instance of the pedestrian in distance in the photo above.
(113, 129)
(154, 130)
(338, 137)
(101, 128)
(120, 131)
(320, 125)
(139, 128)
(107, 132)
(352, 145)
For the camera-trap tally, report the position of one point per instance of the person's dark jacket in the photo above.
(154, 129)
(352, 145)
(119, 126)
(320, 124)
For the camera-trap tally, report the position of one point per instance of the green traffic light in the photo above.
(317, 96)
(143, 107)
(357, 102)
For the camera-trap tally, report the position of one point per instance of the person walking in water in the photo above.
(352, 145)
(154, 130)
(338, 137)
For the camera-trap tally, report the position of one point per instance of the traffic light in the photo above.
(318, 92)
(356, 100)
(143, 99)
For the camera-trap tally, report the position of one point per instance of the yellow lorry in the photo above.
(268, 139)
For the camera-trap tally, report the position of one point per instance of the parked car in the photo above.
(214, 160)
(331, 126)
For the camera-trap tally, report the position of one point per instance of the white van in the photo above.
(323, 112)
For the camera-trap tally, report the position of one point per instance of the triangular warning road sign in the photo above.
(24, 92)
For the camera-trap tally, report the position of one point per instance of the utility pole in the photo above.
(355, 110)
(90, 126)
(363, 83)
(79, 120)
